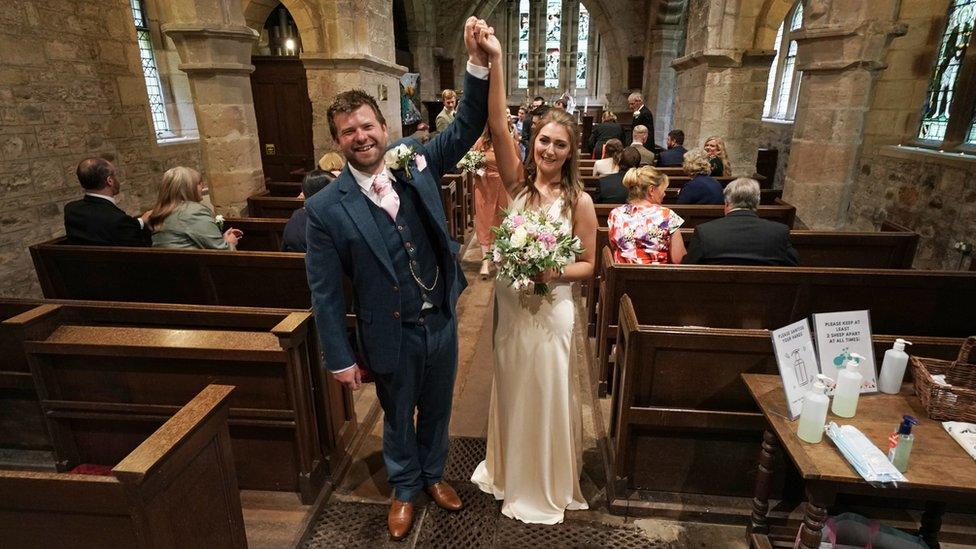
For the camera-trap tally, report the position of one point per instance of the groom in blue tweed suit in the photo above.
(382, 225)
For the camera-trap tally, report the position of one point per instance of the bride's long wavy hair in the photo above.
(570, 183)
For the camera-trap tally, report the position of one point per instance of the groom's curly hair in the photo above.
(349, 101)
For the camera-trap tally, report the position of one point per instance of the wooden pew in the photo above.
(450, 201)
(683, 424)
(265, 205)
(112, 361)
(22, 425)
(766, 196)
(261, 234)
(906, 302)
(289, 189)
(174, 488)
(892, 248)
(695, 215)
(200, 277)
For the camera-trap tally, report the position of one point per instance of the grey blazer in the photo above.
(191, 225)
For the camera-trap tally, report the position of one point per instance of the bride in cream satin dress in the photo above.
(534, 454)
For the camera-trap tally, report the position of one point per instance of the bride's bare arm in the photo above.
(584, 227)
(509, 164)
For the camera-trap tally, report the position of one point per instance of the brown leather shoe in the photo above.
(444, 496)
(400, 519)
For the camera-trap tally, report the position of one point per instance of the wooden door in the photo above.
(284, 116)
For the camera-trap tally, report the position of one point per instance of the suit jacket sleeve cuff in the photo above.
(478, 71)
(347, 368)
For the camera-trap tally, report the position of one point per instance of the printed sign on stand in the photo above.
(840, 334)
(797, 362)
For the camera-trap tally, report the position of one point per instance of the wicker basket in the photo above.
(953, 402)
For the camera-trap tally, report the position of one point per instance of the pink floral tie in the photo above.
(389, 200)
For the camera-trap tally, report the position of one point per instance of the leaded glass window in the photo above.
(523, 45)
(783, 85)
(150, 71)
(945, 74)
(972, 132)
(582, 45)
(554, 12)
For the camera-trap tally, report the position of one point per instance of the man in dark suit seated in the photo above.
(294, 233)
(96, 220)
(674, 156)
(741, 237)
(612, 190)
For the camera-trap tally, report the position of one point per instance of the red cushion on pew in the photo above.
(92, 469)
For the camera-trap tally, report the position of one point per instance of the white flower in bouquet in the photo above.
(472, 162)
(528, 243)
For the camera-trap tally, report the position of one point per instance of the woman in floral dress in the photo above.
(643, 231)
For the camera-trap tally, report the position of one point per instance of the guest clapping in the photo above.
(642, 231)
(715, 147)
(703, 188)
(294, 234)
(180, 220)
(611, 157)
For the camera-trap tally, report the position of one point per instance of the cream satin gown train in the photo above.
(534, 454)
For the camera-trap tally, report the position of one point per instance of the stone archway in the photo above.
(302, 11)
(771, 16)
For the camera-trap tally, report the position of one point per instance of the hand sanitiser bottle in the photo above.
(848, 388)
(900, 444)
(893, 368)
(813, 416)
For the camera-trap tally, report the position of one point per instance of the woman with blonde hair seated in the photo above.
(332, 162)
(180, 220)
(703, 188)
(643, 231)
(719, 159)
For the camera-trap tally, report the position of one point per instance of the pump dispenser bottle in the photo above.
(900, 444)
(813, 416)
(893, 368)
(848, 388)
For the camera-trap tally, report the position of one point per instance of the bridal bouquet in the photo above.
(472, 162)
(528, 243)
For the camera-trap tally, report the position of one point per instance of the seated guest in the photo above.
(674, 157)
(742, 237)
(180, 220)
(96, 220)
(422, 134)
(642, 231)
(334, 162)
(294, 234)
(611, 155)
(612, 189)
(640, 137)
(703, 188)
(603, 132)
(715, 148)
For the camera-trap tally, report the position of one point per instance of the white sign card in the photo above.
(840, 334)
(797, 362)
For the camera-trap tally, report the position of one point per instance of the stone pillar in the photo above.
(721, 92)
(216, 56)
(840, 51)
(660, 78)
(330, 75)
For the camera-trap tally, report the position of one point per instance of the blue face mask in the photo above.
(864, 456)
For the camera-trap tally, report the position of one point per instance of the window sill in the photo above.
(177, 140)
(782, 121)
(958, 160)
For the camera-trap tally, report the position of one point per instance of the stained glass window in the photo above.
(972, 133)
(582, 41)
(154, 87)
(952, 49)
(782, 87)
(554, 12)
(523, 45)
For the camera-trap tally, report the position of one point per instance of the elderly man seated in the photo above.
(741, 237)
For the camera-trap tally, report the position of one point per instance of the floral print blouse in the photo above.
(642, 234)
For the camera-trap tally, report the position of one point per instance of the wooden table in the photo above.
(939, 470)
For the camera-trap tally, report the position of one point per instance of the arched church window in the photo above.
(554, 13)
(783, 86)
(552, 46)
(582, 46)
(154, 87)
(523, 44)
(947, 117)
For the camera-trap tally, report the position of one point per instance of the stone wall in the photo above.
(76, 91)
(779, 136)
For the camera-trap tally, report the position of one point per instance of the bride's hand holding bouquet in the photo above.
(531, 250)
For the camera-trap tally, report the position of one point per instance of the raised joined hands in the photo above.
(474, 30)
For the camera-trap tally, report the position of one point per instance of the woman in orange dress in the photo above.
(490, 200)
